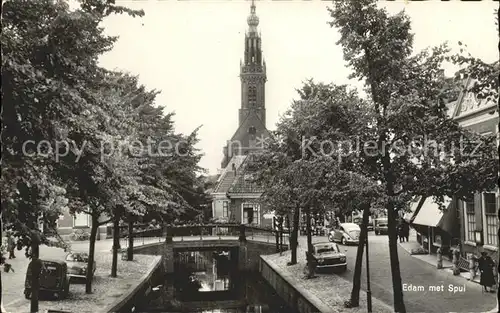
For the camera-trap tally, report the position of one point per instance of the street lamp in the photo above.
(368, 290)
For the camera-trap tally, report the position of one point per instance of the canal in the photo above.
(209, 281)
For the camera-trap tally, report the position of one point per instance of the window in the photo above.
(252, 95)
(469, 206)
(252, 130)
(225, 209)
(256, 215)
(490, 203)
(470, 219)
(491, 227)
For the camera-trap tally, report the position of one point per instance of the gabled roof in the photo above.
(467, 103)
(246, 124)
(243, 183)
(227, 176)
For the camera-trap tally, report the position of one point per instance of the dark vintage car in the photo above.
(54, 279)
(380, 226)
(345, 233)
(328, 255)
(77, 264)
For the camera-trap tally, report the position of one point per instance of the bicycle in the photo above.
(79, 235)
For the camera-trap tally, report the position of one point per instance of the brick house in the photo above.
(478, 214)
(458, 225)
(68, 223)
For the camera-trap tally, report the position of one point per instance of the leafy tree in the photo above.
(409, 115)
(324, 117)
(51, 73)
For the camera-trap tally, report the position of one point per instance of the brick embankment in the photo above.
(330, 288)
(105, 289)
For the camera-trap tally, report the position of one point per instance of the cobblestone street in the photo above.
(420, 275)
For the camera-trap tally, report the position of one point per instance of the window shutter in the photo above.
(479, 211)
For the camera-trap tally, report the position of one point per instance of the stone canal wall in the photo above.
(254, 249)
(157, 248)
(298, 299)
(249, 259)
(141, 289)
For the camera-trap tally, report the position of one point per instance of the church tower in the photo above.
(251, 133)
(253, 72)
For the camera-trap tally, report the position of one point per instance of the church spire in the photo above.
(253, 19)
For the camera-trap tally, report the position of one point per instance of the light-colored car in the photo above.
(380, 226)
(359, 221)
(328, 255)
(77, 264)
(346, 233)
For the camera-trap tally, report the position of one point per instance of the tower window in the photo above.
(252, 95)
(252, 130)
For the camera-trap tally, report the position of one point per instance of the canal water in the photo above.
(209, 281)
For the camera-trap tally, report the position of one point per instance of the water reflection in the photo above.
(199, 273)
(209, 282)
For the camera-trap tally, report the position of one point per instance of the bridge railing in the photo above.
(220, 231)
(201, 232)
(265, 234)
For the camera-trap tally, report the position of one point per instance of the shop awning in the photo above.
(409, 216)
(430, 214)
(448, 222)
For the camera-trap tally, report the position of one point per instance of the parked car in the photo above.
(328, 255)
(346, 233)
(380, 226)
(54, 279)
(77, 264)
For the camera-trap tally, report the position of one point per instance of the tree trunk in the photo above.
(399, 306)
(310, 264)
(116, 245)
(90, 263)
(130, 250)
(36, 269)
(356, 286)
(295, 236)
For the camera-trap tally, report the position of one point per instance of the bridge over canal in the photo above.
(245, 242)
(244, 245)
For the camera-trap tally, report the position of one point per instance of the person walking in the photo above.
(406, 232)
(485, 265)
(400, 232)
(11, 246)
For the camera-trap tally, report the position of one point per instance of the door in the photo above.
(248, 217)
(339, 234)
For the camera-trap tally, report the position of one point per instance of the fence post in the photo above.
(277, 235)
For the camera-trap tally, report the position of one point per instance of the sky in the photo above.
(191, 51)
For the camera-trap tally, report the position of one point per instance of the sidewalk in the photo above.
(12, 292)
(432, 259)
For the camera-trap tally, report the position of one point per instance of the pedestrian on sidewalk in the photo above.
(485, 265)
(11, 245)
(400, 233)
(406, 231)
